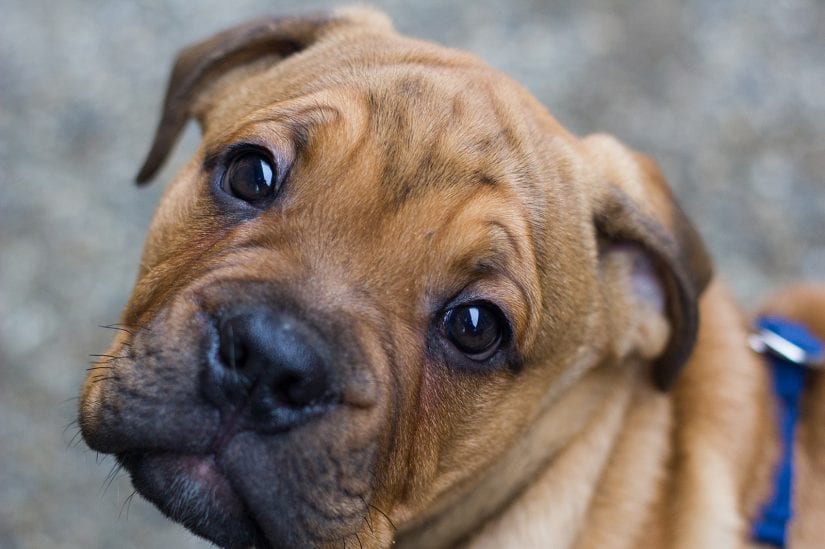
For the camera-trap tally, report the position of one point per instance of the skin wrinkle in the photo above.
(585, 433)
(434, 141)
(389, 347)
(327, 516)
(361, 139)
(181, 265)
(486, 252)
(299, 123)
(408, 456)
(421, 176)
(511, 239)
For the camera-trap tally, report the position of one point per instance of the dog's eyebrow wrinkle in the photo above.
(512, 241)
(443, 135)
(299, 124)
(303, 122)
(495, 251)
(434, 137)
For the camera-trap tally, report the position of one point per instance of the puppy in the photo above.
(390, 300)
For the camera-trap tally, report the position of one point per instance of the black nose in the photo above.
(273, 363)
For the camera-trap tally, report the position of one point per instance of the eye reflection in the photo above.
(250, 177)
(475, 329)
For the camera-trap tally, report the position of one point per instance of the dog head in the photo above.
(384, 262)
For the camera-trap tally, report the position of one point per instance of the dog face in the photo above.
(384, 263)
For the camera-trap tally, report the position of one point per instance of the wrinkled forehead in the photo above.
(391, 127)
(438, 128)
(429, 125)
(442, 174)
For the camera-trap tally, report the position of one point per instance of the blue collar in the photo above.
(791, 351)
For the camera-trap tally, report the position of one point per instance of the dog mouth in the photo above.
(194, 491)
(233, 452)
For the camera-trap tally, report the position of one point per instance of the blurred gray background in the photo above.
(729, 96)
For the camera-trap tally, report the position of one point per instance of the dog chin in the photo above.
(192, 490)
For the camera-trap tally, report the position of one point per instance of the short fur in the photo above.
(629, 411)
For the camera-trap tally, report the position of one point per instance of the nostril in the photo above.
(304, 387)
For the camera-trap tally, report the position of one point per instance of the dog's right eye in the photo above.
(252, 177)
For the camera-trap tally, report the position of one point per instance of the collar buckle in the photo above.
(787, 341)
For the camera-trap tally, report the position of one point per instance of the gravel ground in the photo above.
(729, 96)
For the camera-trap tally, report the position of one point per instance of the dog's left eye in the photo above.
(476, 329)
(251, 176)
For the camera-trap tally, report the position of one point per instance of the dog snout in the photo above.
(271, 366)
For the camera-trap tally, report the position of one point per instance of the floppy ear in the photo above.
(653, 260)
(200, 64)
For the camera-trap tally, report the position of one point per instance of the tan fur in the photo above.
(418, 172)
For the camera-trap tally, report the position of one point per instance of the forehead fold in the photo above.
(436, 129)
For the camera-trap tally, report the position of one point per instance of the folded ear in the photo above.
(200, 64)
(652, 259)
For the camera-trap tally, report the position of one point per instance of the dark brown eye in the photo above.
(476, 329)
(251, 177)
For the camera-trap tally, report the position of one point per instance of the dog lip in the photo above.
(193, 490)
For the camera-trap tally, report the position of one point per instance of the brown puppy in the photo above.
(390, 299)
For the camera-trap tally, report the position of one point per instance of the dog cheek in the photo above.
(176, 220)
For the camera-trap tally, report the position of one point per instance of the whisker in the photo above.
(127, 503)
(93, 368)
(110, 478)
(132, 330)
(116, 327)
(360, 545)
(72, 423)
(100, 378)
(109, 361)
(75, 441)
(385, 516)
